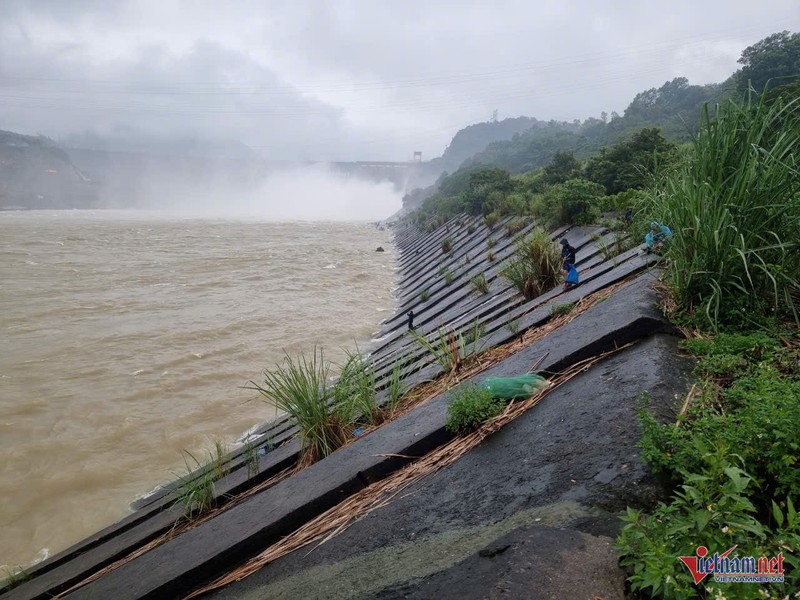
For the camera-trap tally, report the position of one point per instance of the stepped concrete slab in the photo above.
(119, 540)
(202, 553)
(552, 481)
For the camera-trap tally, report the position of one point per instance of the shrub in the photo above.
(447, 274)
(480, 284)
(713, 510)
(514, 227)
(491, 243)
(300, 389)
(491, 220)
(471, 229)
(424, 295)
(574, 201)
(447, 244)
(490, 256)
(536, 265)
(734, 209)
(469, 407)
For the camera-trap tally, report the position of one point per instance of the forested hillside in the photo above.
(35, 173)
(617, 153)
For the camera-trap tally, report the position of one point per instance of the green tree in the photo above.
(574, 201)
(487, 187)
(562, 167)
(629, 165)
(775, 59)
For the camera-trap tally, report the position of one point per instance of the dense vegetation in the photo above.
(619, 153)
(731, 194)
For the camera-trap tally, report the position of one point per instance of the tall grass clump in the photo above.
(536, 265)
(734, 209)
(354, 391)
(447, 244)
(451, 349)
(480, 283)
(196, 491)
(299, 389)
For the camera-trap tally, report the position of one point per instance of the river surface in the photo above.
(126, 338)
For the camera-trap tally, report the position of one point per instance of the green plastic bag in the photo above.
(510, 388)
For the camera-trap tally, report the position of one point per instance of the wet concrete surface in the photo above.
(576, 449)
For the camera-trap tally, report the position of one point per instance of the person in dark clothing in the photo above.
(410, 320)
(567, 254)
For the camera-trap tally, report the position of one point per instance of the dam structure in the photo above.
(406, 510)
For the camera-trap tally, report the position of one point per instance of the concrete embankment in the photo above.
(543, 490)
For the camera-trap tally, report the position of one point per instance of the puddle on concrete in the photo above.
(367, 573)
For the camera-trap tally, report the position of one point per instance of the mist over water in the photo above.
(296, 193)
(125, 338)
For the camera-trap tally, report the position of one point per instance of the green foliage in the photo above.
(774, 60)
(621, 241)
(354, 391)
(490, 256)
(301, 390)
(734, 453)
(451, 349)
(563, 167)
(631, 164)
(251, 458)
(447, 244)
(424, 295)
(325, 415)
(573, 202)
(756, 411)
(480, 284)
(513, 326)
(561, 309)
(13, 577)
(734, 210)
(491, 243)
(514, 227)
(471, 229)
(396, 388)
(448, 275)
(469, 407)
(490, 220)
(474, 138)
(712, 509)
(195, 491)
(536, 265)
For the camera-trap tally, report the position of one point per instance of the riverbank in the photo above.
(585, 450)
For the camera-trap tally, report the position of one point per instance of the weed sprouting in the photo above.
(564, 308)
(480, 284)
(449, 349)
(13, 577)
(196, 491)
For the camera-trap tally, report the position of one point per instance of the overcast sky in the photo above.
(347, 80)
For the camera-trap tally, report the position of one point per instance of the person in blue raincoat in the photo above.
(658, 237)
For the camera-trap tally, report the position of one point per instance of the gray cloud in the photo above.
(352, 79)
